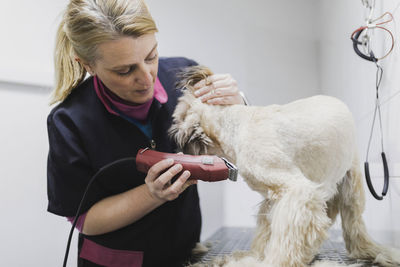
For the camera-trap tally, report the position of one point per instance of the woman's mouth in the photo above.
(143, 91)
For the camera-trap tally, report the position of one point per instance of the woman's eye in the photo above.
(125, 73)
(152, 58)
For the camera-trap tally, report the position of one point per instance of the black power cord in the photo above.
(106, 167)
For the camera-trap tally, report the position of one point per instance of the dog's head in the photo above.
(186, 129)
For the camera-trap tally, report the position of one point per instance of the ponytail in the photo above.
(68, 72)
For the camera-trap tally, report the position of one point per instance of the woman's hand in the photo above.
(159, 177)
(218, 89)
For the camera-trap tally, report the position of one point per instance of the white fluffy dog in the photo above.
(301, 157)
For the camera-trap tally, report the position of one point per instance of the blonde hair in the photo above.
(85, 25)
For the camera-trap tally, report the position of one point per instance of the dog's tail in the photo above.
(189, 76)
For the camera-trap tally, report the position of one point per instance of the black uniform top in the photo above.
(83, 137)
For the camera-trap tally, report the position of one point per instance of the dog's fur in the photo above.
(301, 157)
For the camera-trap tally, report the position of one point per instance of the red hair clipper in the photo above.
(202, 167)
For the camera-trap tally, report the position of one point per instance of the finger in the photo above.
(218, 93)
(167, 176)
(158, 168)
(214, 82)
(204, 90)
(211, 79)
(188, 183)
(208, 83)
(226, 83)
(226, 100)
(177, 186)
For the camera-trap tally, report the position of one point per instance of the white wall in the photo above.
(268, 46)
(27, 38)
(29, 235)
(345, 75)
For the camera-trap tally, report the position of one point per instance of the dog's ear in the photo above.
(189, 76)
(187, 131)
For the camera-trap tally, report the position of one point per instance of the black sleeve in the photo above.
(68, 167)
(170, 67)
(173, 65)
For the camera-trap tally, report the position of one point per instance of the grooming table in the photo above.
(228, 239)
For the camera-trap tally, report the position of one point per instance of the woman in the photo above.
(129, 218)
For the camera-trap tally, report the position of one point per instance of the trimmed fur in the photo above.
(301, 157)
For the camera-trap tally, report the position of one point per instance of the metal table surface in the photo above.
(228, 239)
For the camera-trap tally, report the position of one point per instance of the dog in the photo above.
(301, 157)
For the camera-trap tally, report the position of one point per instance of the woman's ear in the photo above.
(87, 66)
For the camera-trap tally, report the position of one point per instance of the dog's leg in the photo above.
(358, 242)
(299, 224)
(333, 208)
(263, 230)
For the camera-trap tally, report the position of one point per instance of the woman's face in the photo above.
(128, 67)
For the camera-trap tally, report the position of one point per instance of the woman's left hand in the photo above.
(218, 89)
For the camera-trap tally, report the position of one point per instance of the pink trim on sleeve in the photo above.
(79, 223)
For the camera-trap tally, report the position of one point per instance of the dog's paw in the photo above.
(388, 257)
(201, 249)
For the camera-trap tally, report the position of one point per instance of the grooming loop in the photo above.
(362, 37)
(377, 111)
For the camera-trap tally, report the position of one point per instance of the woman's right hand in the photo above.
(159, 178)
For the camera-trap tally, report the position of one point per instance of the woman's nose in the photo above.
(144, 76)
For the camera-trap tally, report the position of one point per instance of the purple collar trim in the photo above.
(138, 112)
